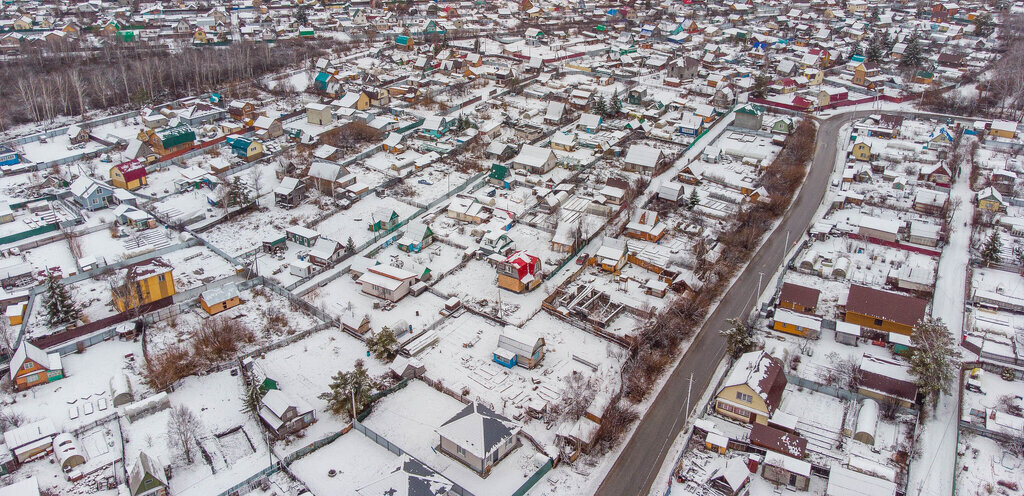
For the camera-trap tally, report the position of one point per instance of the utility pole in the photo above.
(353, 396)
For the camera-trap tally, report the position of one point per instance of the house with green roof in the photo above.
(749, 116)
(168, 140)
(499, 176)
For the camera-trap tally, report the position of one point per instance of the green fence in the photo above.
(28, 234)
(536, 477)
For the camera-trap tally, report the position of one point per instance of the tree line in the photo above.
(43, 85)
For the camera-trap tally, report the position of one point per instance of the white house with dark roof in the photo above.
(478, 437)
(642, 158)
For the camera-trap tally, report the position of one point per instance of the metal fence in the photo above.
(388, 445)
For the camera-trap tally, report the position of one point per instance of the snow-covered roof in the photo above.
(643, 155)
(145, 465)
(220, 294)
(27, 351)
(29, 433)
(410, 478)
(845, 482)
(478, 430)
(533, 156)
(24, 487)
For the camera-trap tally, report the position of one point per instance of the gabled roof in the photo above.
(764, 375)
(145, 465)
(478, 430)
(893, 307)
(643, 155)
(27, 351)
(801, 295)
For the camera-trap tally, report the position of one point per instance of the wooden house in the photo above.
(302, 236)
(31, 366)
(290, 193)
(786, 470)
(416, 237)
(796, 323)
(644, 224)
(148, 477)
(383, 220)
(799, 298)
(753, 388)
(142, 283)
(883, 310)
(387, 282)
(30, 440)
(129, 175)
(520, 272)
(168, 140)
(519, 347)
(285, 415)
(216, 300)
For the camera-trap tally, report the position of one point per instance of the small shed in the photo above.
(847, 333)
(867, 422)
(407, 368)
(67, 452)
(505, 357)
(300, 269)
(528, 347)
(217, 300)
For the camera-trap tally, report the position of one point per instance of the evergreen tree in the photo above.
(345, 386)
(694, 199)
(238, 193)
(383, 345)
(302, 15)
(912, 56)
(614, 105)
(350, 246)
(476, 45)
(60, 306)
(983, 25)
(761, 82)
(935, 359)
(990, 253)
(597, 106)
(738, 339)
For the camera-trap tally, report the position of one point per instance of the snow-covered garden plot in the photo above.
(982, 464)
(304, 369)
(50, 256)
(410, 417)
(216, 399)
(476, 284)
(463, 360)
(83, 395)
(268, 223)
(56, 148)
(355, 221)
(106, 248)
(266, 313)
(343, 297)
(356, 459)
(387, 164)
(434, 182)
(197, 265)
(438, 257)
(862, 262)
(186, 205)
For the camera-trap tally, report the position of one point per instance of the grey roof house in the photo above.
(478, 437)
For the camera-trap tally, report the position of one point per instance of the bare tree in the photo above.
(183, 428)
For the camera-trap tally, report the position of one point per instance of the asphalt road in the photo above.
(634, 471)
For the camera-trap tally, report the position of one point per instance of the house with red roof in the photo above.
(130, 175)
(520, 272)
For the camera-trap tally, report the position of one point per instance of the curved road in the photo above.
(634, 471)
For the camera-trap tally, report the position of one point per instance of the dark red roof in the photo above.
(800, 295)
(889, 386)
(132, 170)
(779, 441)
(773, 383)
(884, 305)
